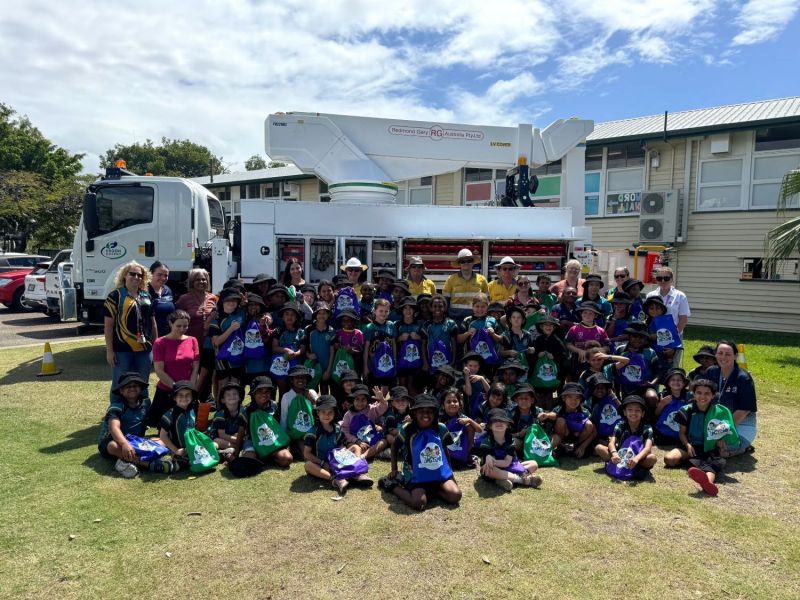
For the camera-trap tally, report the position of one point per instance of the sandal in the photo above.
(699, 477)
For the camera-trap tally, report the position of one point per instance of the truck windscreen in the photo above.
(119, 206)
(216, 215)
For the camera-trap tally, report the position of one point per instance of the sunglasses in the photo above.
(353, 270)
(620, 276)
(465, 261)
(507, 268)
(664, 278)
(136, 275)
(523, 283)
(416, 266)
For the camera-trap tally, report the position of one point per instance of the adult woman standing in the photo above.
(525, 300)
(505, 286)
(354, 270)
(572, 278)
(176, 357)
(161, 296)
(621, 275)
(293, 274)
(737, 392)
(201, 305)
(128, 324)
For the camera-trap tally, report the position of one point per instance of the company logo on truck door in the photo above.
(113, 250)
(436, 132)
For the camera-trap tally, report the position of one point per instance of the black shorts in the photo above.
(102, 447)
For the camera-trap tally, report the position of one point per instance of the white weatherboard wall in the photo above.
(709, 265)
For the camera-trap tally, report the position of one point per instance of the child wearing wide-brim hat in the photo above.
(498, 451)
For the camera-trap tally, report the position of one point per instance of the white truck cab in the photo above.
(143, 218)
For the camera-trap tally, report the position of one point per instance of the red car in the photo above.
(12, 286)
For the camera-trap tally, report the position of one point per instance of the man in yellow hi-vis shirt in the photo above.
(505, 286)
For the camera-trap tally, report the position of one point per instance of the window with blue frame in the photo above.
(592, 191)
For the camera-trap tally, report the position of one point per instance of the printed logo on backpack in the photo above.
(266, 433)
(410, 357)
(634, 372)
(299, 417)
(459, 448)
(667, 335)
(483, 344)
(545, 373)
(666, 424)
(719, 426)
(537, 447)
(428, 460)
(200, 450)
(606, 417)
(439, 355)
(383, 360)
(364, 429)
(253, 344)
(627, 451)
(232, 349)
(345, 464)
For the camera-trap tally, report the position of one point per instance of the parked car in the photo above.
(13, 261)
(34, 296)
(53, 281)
(12, 286)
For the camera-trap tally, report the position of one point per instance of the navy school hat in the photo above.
(675, 371)
(621, 298)
(636, 328)
(572, 388)
(498, 414)
(231, 383)
(299, 371)
(326, 402)
(184, 384)
(264, 278)
(279, 287)
(654, 300)
(472, 355)
(523, 388)
(704, 352)
(425, 401)
(349, 375)
(630, 283)
(290, 306)
(129, 378)
(229, 293)
(256, 299)
(449, 371)
(496, 307)
(360, 390)
(400, 391)
(589, 306)
(597, 379)
(348, 313)
(260, 383)
(594, 278)
(511, 363)
(633, 399)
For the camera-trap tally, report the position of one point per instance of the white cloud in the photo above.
(90, 75)
(761, 20)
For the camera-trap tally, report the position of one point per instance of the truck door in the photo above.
(323, 261)
(119, 227)
(384, 257)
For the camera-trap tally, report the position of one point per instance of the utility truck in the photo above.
(179, 222)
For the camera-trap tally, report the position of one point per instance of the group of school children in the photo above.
(371, 373)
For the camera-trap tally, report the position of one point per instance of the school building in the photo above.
(703, 182)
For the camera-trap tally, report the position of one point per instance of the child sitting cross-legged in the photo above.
(426, 470)
(327, 436)
(365, 415)
(633, 425)
(176, 421)
(500, 463)
(225, 426)
(573, 430)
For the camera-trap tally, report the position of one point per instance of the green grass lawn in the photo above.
(280, 535)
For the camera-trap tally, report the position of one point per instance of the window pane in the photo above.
(479, 192)
(594, 159)
(429, 180)
(548, 186)
(635, 155)
(500, 174)
(766, 194)
(631, 179)
(420, 196)
(591, 182)
(252, 191)
(720, 196)
(243, 192)
(119, 207)
(775, 167)
(592, 205)
(778, 138)
(721, 170)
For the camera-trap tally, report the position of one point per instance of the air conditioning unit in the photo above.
(658, 217)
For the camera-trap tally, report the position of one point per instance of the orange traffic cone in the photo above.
(48, 364)
(741, 359)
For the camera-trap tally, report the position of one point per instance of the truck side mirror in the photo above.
(90, 222)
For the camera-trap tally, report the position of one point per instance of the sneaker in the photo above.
(387, 454)
(531, 480)
(504, 484)
(387, 484)
(126, 469)
(363, 481)
(340, 485)
(699, 477)
(227, 455)
(163, 465)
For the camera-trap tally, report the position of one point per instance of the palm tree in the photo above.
(783, 241)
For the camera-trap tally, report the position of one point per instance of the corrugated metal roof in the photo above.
(288, 172)
(701, 119)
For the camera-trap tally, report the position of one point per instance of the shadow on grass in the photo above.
(743, 463)
(306, 484)
(487, 489)
(77, 439)
(786, 361)
(86, 363)
(648, 478)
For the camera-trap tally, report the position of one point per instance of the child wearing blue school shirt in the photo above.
(366, 303)
(633, 425)
(230, 319)
(480, 319)
(289, 340)
(380, 330)
(498, 450)
(257, 311)
(319, 338)
(178, 420)
(524, 414)
(440, 330)
(409, 328)
(675, 397)
(225, 425)
(639, 376)
(573, 429)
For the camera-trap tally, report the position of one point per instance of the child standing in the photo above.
(438, 333)
(480, 320)
(319, 338)
(288, 341)
(547, 345)
(327, 436)
(348, 338)
(516, 340)
(475, 386)
(706, 465)
(381, 331)
(230, 320)
(633, 426)
(573, 429)
(257, 312)
(409, 335)
(542, 293)
(498, 451)
(426, 470)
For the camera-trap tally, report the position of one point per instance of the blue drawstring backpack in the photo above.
(346, 299)
(483, 344)
(279, 367)
(667, 335)
(383, 363)
(439, 355)
(253, 344)
(666, 425)
(410, 355)
(515, 467)
(364, 429)
(146, 450)
(478, 398)
(345, 464)
(576, 421)
(605, 416)
(629, 448)
(635, 372)
(459, 449)
(428, 459)
(232, 349)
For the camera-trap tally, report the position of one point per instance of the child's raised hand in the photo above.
(466, 372)
(378, 393)
(234, 326)
(266, 320)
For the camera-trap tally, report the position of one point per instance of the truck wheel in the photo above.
(16, 301)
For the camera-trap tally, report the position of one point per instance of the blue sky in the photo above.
(90, 76)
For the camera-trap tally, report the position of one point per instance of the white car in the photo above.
(34, 296)
(53, 282)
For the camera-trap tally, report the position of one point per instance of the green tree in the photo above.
(274, 164)
(254, 163)
(783, 241)
(172, 158)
